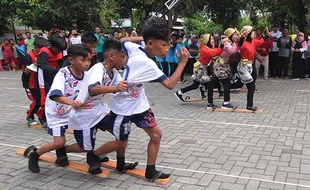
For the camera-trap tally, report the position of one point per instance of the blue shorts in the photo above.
(57, 131)
(86, 138)
(119, 125)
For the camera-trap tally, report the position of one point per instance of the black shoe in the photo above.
(202, 93)
(154, 175)
(252, 108)
(94, 163)
(179, 96)
(33, 162)
(103, 158)
(62, 158)
(227, 106)
(127, 166)
(212, 106)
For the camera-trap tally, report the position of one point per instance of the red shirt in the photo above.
(52, 58)
(263, 50)
(7, 50)
(207, 54)
(247, 50)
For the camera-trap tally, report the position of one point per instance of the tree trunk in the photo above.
(170, 24)
(301, 17)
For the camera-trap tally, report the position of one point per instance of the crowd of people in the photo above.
(66, 80)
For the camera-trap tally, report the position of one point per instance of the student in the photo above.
(29, 79)
(90, 40)
(29, 41)
(204, 74)
(21, 52)
(8, 54)
(245, 69)
(100, 40)
(171, 58)
(60, 101)
(103, 78)
(49, 61)
(132, 105)
(284, 45)
(299, 49)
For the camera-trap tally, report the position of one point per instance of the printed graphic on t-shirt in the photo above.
(135, 90)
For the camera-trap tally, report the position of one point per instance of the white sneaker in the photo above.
(295, 79)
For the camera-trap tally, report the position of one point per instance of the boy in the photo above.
(90, 40)
(21, 52)
(132, 105)
(94, 113)
(49, 60)
(60, 101)
(8, 54)
(29, 80)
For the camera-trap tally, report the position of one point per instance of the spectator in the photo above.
(29, 42)
(194, 54)
(273, 55)
(285, 45)
(261, 54)
(100, 40)
(299, 49)
(21, 52)
(21, 37)
(187, 40)
(74, 38)
(123, 33)
(308, 56)
(115, 36)
(171, 58)
(8, 54)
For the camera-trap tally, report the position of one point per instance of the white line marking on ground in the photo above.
(195, 171)
(9, 88)
(19, 106)
(6, 78)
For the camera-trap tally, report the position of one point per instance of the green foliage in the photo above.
(199, 24)
(242, 22)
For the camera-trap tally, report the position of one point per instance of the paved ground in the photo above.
(202, 150)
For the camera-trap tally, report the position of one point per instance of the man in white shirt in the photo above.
(273, 55)
(75, 38)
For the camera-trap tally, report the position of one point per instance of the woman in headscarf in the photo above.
(221, 66)
(299, 49)
(245, 68)
(203, 73)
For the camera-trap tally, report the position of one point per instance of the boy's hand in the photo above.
(76, 104)
(184, 54)
(122, 86)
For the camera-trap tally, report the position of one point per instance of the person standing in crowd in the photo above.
(29, 42)
(74, 38)
(299, 49)
(275, 34)
(285, 45)
(21, 52)
(308, 58)
(8, 54)
(171, 58)
(100, 40)
(123, 33)
(262, 55)
(194, 54)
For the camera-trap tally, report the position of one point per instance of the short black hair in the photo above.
(89, 37)
(40, 42)
(58, 42)
(75, 50)
(111, 44)
(27, 33)
(155, 29)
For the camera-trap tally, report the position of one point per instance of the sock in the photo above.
(225, 103)
(179, 92)
(120, 162)
(150, 168)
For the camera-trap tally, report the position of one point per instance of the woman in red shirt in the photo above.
(202, 69)
(245, 69)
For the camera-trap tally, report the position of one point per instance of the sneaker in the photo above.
(62, 158)
(277, 77)
(31, 122)
(295, 78)
(265, 78)
(179, 96)
(252, 108)
(94, 163)
(227, 106)
(33, 162)
(212, 106)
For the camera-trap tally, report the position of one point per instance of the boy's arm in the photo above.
(42, 63)
(131, 39)
(101, 89)
(172, 81)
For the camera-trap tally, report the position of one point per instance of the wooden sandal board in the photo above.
(238, 90)
(76, 166)
(189, 99)
(139, 173)
(69, 131)
(237, 110)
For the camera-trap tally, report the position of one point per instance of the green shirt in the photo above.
(30, 44)
(99, 43)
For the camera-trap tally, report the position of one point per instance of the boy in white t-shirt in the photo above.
(103, 78)
(60, 101)
(132, 105)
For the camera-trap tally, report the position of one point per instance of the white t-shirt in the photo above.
(278, 35)
(75, 40)
(95, 109)
(140, 69)
(65, 84)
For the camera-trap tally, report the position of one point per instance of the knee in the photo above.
(122, 144)
(156, 136)
(60, 144)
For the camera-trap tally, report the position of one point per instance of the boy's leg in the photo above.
(266, 66)
(59, 142)
(119, 127)
(146, 121)
(1, 65)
